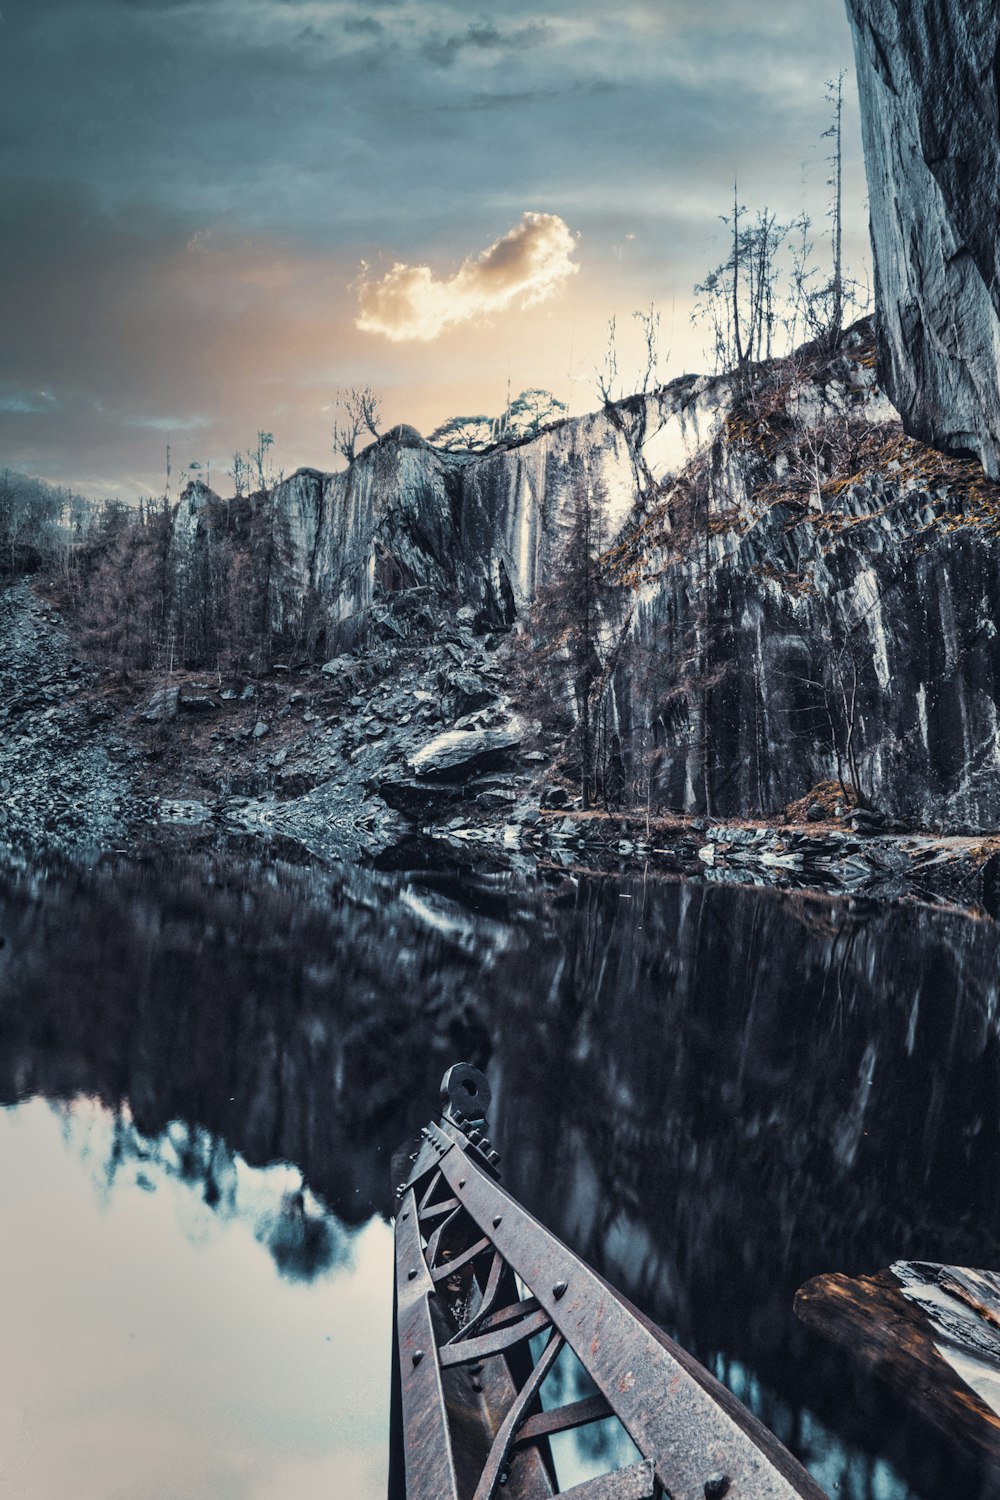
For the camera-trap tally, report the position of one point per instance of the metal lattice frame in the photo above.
(477, 1279)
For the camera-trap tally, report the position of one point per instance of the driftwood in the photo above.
(932, 1332)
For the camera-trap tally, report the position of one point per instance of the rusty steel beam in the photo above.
(477, 1280)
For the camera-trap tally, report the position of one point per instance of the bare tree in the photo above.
(361, 411)
(240, 475)
(606, 373)
(835, 98)
(649, 321)
(259, 463)
(737, 334)
(739, 299)
(30, 514)
(608, 380)
(771, 279)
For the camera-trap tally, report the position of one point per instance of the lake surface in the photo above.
(208, 1058)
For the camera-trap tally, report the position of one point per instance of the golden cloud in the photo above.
(526, 265)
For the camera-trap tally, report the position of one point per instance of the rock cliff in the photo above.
(928, 76)
(783, 591)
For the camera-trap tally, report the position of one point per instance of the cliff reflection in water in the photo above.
(711, 1093)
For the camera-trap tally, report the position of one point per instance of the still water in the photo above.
(207, 1060)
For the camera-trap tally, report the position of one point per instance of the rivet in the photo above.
(461, 1182)
(405, 1214)
(559, 1290)
(716, 1486)
(411, 1274)
(477, 1385)
(418, 1355)
(497, 1220)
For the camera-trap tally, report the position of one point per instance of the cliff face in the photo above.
(485, 531)
(785, 590)
(928, 76)
(831, 616)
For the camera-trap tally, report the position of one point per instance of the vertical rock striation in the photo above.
(928, 76)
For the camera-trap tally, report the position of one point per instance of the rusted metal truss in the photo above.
(486, 1302)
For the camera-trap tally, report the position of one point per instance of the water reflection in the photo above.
(149, 1348)
(713, 1094)
(304, 1240)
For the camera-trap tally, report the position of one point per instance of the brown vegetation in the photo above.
(145, 599)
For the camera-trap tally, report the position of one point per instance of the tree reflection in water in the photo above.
(711, 1093)
(304, 1239)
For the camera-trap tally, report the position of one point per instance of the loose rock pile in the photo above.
(66, 776)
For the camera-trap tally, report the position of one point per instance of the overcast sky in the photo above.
(215, 213)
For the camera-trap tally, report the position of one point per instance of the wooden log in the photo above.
(932, 1332)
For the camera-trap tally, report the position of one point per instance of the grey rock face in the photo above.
(772, 621)
(928, 75)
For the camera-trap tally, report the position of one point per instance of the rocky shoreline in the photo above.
(352, 759)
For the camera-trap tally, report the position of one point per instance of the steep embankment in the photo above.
(929, 82)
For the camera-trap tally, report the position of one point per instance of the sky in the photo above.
(217, 214)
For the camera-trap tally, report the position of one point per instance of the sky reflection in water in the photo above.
(151, 1349)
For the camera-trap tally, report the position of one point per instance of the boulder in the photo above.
(162, 706)
(460, 753)
(196, 699)
(418, 799)
(467, 690)
(338, 666)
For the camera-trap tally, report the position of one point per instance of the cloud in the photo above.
(26, 402)
(527, 264)
(363, 26)
(484, 36)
